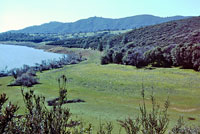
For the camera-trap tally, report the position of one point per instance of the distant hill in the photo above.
(94, 24)
(175, 43)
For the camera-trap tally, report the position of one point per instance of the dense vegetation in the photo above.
(23, 37)
(94, 24)
(98, 41)
(40, 37)
(169, 44)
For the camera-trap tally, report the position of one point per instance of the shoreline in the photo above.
(74, 57)
(46, 48)
(27, 44)
(50, 48)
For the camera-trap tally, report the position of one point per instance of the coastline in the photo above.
(47, 48)
(28, 44)
(74, 56)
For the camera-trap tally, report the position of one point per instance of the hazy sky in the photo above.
(17, 14)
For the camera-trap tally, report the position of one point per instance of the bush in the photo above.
(117, 57)
(159, 57)
(107, 57)
(38, 119)
(105, 60)
(25, 79)
(100, 46)
(187, 56)
(154, 122)
(7, 114)
(181, 128)
(135, 57)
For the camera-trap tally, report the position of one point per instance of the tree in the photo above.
(100, 46)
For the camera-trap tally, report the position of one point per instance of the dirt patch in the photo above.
(185, 110)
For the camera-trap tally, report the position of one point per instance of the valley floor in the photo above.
(113, 92)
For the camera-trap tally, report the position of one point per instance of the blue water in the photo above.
(12, 56)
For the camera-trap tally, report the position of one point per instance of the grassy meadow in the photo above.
(113, 92)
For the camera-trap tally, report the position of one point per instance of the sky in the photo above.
(18, 14)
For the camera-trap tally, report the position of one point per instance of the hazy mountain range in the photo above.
(94, 24)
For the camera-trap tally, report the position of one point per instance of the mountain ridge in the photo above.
(94, 24)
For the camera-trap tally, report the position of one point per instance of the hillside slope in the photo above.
(174, 43)
(174, 32)
(97, 23)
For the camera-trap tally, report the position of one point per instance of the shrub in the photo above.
(187, 56)
(105, 60)
(154, 122)
(38, 119)
(131, 126)
(105, 128)
(100, 46)
(7, 114)
(25, 80)
(182, 55)
(107, 57)
(135, 57)
(181, 128)
(160, 57)
(117, 57)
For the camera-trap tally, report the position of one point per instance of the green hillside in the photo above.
(174, 43)
(113, 92)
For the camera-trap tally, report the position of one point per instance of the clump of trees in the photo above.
(126, 56)
(187, 56)
(25, 79)
(24, 76)
(98, 42)
(184, 55)
(25, 37)
(160, 56)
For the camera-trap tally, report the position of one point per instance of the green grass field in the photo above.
(113, 91)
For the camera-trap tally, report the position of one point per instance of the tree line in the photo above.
(183, 55)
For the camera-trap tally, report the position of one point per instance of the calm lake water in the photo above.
(16, 56)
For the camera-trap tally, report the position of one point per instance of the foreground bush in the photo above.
(39, 119)
(154, 122)
(181, 128)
